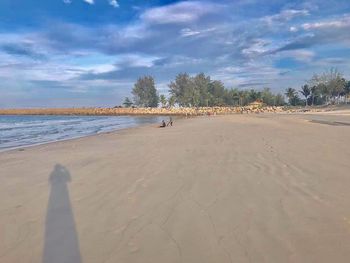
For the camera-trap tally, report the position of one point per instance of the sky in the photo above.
(65, 53)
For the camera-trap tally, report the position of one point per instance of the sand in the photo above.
(240, 188)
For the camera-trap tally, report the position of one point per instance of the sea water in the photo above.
(26, 130)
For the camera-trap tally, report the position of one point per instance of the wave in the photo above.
(18, 131)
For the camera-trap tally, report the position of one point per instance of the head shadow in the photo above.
(61, 242)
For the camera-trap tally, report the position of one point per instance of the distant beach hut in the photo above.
(256, 104)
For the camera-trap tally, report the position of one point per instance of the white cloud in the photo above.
(67, 1)
(91, 2)
(293, 29)
(330, 62)
(186, 32)
(302, 55)
(114, 3)
(330, 24)
(284, 16)
(182, 12)
(256, 48)
(149, 44)
(248, 75)
(100, 68)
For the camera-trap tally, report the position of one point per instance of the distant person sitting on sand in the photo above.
(163, 124)
(170, 121)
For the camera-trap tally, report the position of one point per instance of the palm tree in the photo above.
(291, 95)
(313, 90)
(305, 90)
(163, 100)
(241, 96)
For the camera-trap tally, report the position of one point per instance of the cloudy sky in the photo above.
(61, 53)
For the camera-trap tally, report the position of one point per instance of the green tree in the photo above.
(127, 102)
(231, 97)
(305, 91)
(163, 100)
(292, 96)
(253, 95)
(329, 85)
(180, 89)
(335, 82)
(216, 92)
(200, 92)
(243, 96)
(313, 91)
(145, 92)
(279, 100)
(347, 91)
(171, 101)
(347, 87)
(268, 97)
(318, 89)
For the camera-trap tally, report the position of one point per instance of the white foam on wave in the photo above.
(18, 131)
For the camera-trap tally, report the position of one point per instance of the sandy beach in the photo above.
(236, 188)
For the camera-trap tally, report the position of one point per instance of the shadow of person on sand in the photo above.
(61, 239)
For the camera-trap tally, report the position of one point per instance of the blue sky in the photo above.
(62, 53)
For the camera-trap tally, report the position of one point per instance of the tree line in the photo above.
(201, 91)
(330, 87)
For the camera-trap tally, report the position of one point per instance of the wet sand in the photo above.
(238, 188)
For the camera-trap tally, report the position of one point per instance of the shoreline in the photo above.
(330, 113)
(19, 148)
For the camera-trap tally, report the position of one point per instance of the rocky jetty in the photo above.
(180, 111)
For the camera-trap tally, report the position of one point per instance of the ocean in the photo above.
(26, 130)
